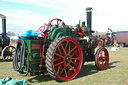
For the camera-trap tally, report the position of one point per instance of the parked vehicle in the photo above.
(105, 38)
(6, 51)
(122, 38)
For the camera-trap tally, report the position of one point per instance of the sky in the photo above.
(23, 15)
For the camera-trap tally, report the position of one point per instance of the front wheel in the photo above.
(64, 59)
(102, 58)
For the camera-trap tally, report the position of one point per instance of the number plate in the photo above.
(35, 46)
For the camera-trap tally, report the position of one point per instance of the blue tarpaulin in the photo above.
(30, 33)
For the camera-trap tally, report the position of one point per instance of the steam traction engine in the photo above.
(106, 39)
(61, 50)
(6, 51)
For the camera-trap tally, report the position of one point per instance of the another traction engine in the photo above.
(6, 51)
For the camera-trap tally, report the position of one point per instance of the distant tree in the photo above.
(13, 34)
(9, 33)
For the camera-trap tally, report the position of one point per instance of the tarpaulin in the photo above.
(11, 81)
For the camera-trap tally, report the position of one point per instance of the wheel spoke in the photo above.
(63, 49)
(73, 49)
(59, 63)
(64, 68)
(65, 73)
(56, 60)
(67, 64)
(62, 71)
(102, 64)
(58, 69)
(72, 62)
(101, 53)
(66, 45)
(72, 68)
(59, 55)
(59, 49)
(101, 58)
(69, 49)
(73, 54)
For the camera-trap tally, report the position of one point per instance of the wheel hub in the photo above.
(68, 59)
(104, 59)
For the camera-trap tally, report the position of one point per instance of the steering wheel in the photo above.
(58, 22)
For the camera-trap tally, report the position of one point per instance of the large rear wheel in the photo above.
(64, 59)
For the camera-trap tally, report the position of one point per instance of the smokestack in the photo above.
(89, 18)
(3, 26)
(3, 23)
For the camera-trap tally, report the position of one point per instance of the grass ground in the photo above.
(116, 74)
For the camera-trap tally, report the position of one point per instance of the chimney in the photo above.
(3, 23)
(89, 18)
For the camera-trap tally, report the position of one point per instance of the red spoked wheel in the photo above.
(100, 43)
(64, 59)
(55, 21)
(102, 58)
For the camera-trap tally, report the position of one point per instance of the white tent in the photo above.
(14, 37)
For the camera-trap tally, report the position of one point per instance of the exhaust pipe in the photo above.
(3, 23)
(89, 18)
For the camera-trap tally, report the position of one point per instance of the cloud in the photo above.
(106, 13)
(18, 20)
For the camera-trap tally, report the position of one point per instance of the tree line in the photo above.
(11, 33)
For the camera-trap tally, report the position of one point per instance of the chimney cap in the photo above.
(2, 16)
(89, 9)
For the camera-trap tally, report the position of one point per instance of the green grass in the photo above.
(116, 74)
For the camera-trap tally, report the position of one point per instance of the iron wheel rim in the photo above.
(67, 69)
(103, 59)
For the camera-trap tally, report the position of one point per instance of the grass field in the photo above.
(116, 74)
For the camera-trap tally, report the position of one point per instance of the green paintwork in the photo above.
(59, 31)
(34, 60)
(78, 25)
(86, 29)
(55, 33)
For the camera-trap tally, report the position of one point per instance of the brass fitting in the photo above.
(2, 16)
(89, 9)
